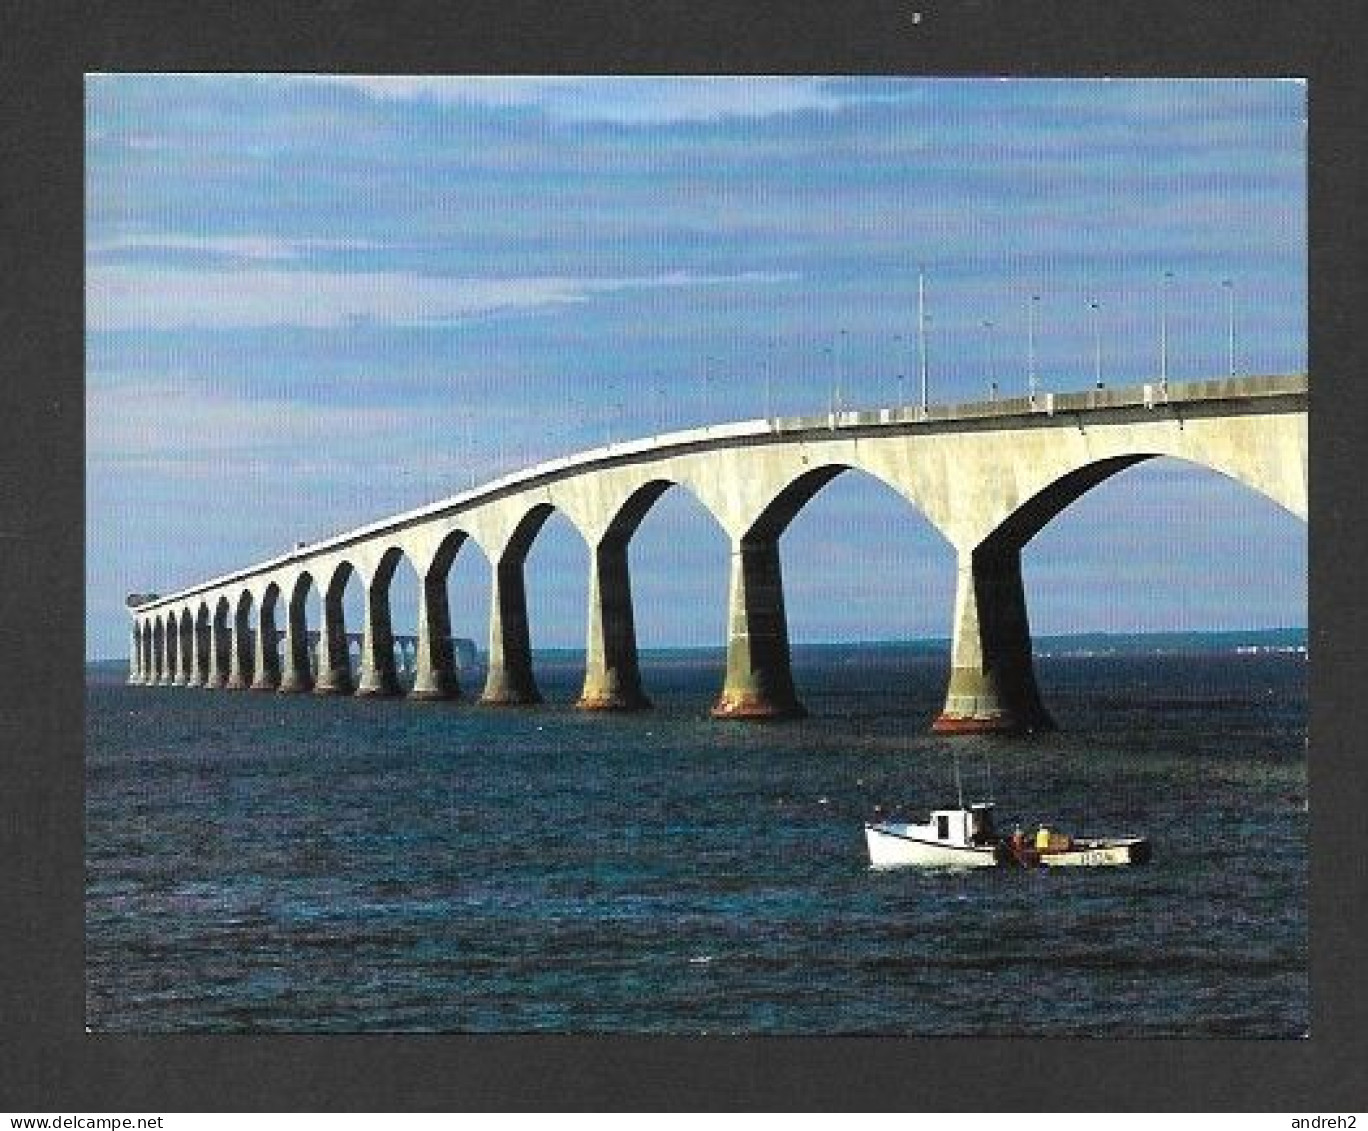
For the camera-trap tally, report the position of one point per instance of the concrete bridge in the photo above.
(987, 475)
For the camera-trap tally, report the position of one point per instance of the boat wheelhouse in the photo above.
(959, 838)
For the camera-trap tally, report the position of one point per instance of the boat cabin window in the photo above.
(943, 827)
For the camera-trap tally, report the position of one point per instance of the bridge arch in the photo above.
(759, 680)
(172, 638)
(1214, 517)
(139, 658)
(607, 510)
(993, 685)
(1031, 516)
(199, 675)
(219, 641)
(509, 680)
(174, 646)
(334, 649)
(435, 674)
(158, 650)
(1027, 520)
(241, 640)
(266, 646)
(678, 557)
(297, 662)
(184, 622)
(379, 673)
(612, 667)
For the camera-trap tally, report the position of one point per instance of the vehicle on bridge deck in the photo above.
(965, 837)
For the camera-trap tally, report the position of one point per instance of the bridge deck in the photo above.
(1009, 411)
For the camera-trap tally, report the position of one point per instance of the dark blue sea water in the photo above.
(267, 863)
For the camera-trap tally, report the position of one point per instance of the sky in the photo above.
(312, 301)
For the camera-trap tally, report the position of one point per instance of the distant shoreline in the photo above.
(1234, 641)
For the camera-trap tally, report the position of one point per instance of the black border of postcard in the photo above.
(49, 1064)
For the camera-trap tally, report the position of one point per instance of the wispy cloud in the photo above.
(624, 100)
(241, 247)
(134, 298)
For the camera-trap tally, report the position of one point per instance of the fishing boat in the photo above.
(966, 837)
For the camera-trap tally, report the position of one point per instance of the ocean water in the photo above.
(262, 863)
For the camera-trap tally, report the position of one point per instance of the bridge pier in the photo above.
(434, 675)
(509, 682)
(173, 658)
(612, 675)
(334, 660)
(759, 683)
(199, 661)
(992, 677)
(173, 673)
(296, 675)
(240, 654)
(265, 658)
(378, 676)
(185, 648)
(219, 647)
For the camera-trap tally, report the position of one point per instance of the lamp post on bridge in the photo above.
(1031, 349)
(659, 401)
(1229, 286)
(769, 379)
(842, 345)
(1163, 333)
(898, 369)
(992, 369)
(827, 363)
(707, 390)
(921, 336)
(1097, 343)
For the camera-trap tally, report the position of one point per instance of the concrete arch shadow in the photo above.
(436, 675)
(266, 645)
(379, 675)
(296, 674)
(241, 640)
(612, 667)
(510, 681)
(334, 653)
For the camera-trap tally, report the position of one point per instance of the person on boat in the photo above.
(1042, 839)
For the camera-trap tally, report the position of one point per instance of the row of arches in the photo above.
(330, 628)
(985, 495)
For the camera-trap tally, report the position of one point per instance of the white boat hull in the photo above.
(891, 848)
(895, 845)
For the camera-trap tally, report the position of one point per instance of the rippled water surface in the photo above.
(270, 863)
